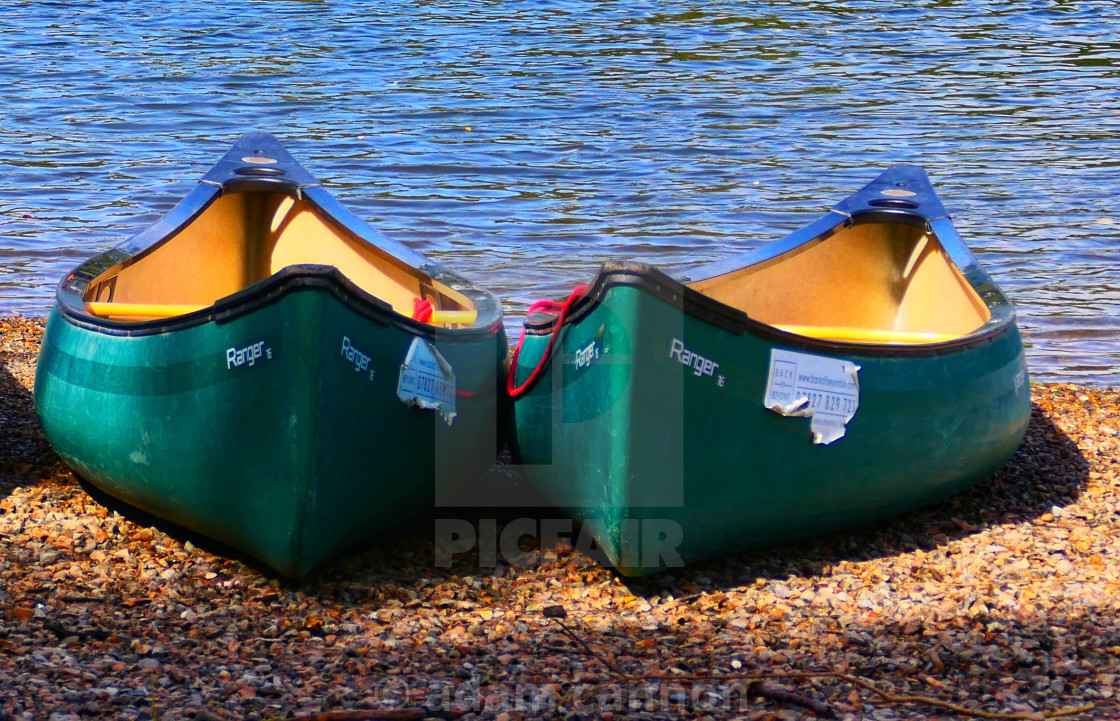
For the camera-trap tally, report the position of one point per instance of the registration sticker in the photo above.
(824, 389)
(427, 381)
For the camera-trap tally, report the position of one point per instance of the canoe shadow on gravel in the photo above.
(1047, 471)
(25, 455)
(26, 458)
(385, 553)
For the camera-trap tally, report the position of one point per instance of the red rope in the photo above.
(421, 310)
(548, 306)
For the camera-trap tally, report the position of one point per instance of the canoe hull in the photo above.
(262, 431)
(666, 463)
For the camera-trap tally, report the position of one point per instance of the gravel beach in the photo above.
(1003, 602)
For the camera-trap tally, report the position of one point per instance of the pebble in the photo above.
(1003, 599)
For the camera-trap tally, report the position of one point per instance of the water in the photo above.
(523, 143)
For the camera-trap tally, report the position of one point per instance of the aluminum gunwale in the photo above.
(230, 174)
(927, 211)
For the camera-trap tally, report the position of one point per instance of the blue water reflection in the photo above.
(525, 142)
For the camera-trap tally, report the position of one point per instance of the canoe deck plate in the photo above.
(823, 389)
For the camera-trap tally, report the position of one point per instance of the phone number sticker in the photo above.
(821, 388)
(426, 380)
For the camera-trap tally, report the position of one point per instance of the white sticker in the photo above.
(825, 390)
(426, 380)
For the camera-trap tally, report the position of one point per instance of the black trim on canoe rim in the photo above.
(909, 199)
(258, 162)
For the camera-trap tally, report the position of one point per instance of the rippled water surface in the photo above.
(525, 142)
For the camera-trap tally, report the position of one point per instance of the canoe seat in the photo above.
(867, 335)
(170, 310)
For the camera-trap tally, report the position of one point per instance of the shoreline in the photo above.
(1003, 599)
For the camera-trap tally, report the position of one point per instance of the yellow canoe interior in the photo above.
(243, 238)
(880, 283)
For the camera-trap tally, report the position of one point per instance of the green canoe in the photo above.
(862, 366)
(263, 368)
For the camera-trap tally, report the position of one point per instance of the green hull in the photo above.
(649, 425)
(636, 436)
(247, 368)
(289, 459)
